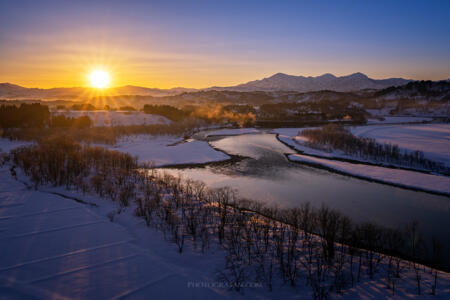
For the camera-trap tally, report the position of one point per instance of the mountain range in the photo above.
(284, 82)
(277, 82)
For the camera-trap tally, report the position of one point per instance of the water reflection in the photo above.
(266, 175)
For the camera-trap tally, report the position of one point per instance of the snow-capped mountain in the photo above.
(284, 82)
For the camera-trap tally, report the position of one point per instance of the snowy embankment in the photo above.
(404, 178)
(117, 118)
(168, 150)
(432, 139)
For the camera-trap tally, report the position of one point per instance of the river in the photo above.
(266, 175)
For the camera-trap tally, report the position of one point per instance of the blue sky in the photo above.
(204, 43)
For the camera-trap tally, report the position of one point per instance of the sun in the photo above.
(99, 79)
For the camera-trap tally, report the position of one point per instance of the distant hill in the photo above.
(277, 83)
(284, 82)
(417, 90)
(8, 90)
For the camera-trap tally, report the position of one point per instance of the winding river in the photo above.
(266, 175)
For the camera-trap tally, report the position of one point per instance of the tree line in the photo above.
(168, 111)
(337, 137)
(319, 248)
(26, 115)
(36, 115)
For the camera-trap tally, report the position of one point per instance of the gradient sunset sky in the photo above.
(205, 43)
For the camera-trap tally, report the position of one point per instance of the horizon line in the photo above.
(218, 86)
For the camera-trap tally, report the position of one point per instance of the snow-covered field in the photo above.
(168, 150)
(117, 118)
(432, 139)
(56, 248)
(53, 247)
(157, 150)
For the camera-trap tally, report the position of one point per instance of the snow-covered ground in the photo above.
(56, 248)
(168, 150)
(7, 145)
(157, 150)
(432, 139)
(116, 118)
(409, 179)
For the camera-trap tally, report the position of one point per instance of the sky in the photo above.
(199, 44)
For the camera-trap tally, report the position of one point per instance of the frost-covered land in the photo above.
(56, 248)
(431, 138)
(168, 150)
(156, 150)
(60, 243)
(117, 118)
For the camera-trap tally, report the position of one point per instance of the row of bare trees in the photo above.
(337, 137)
(316, 247)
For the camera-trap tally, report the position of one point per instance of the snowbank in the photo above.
(409, 179)
(117, 118)
(168, 150)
